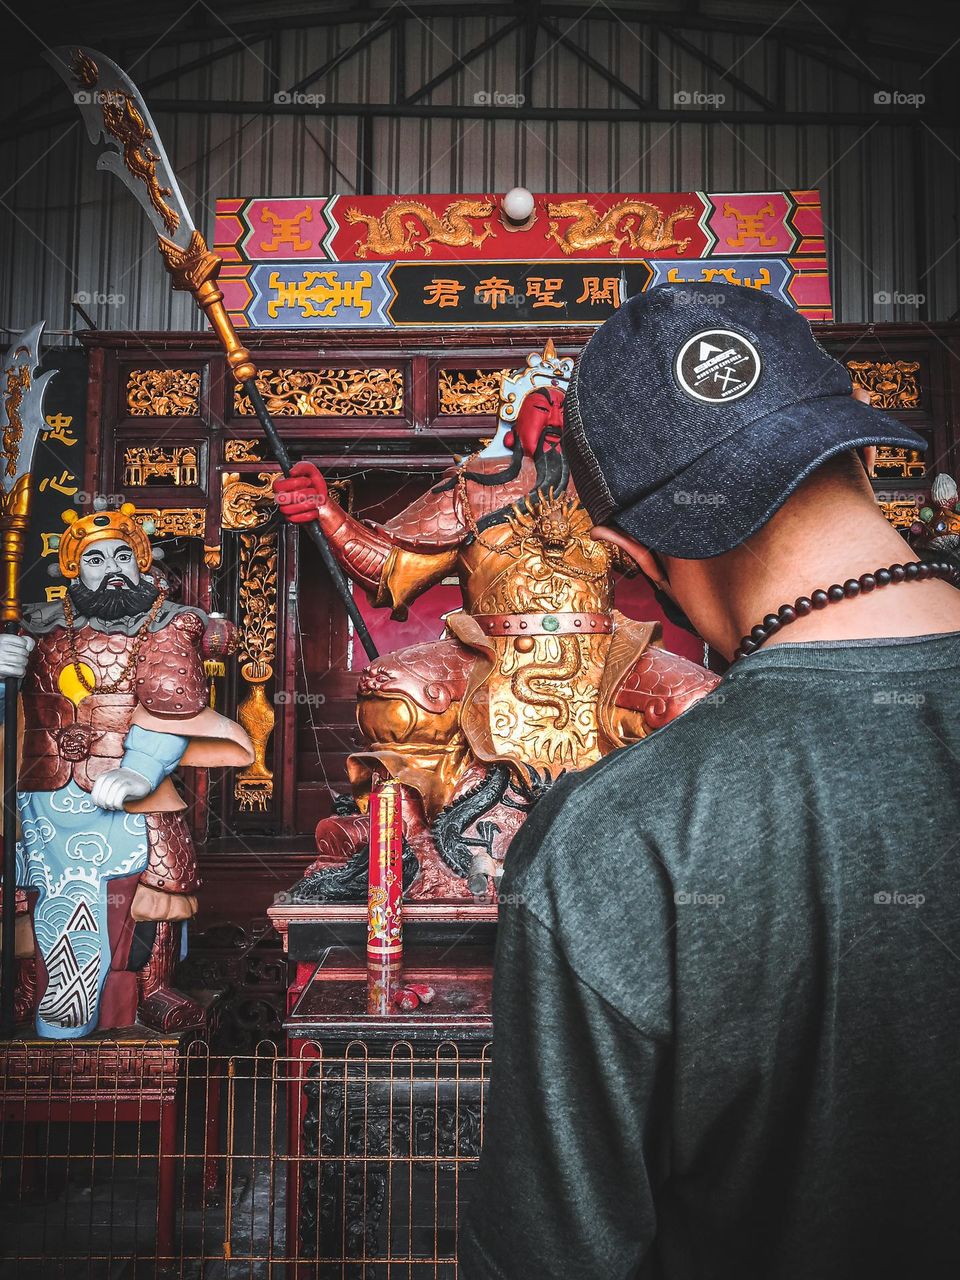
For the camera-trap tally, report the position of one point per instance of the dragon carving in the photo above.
(123, 121)
(555, 533)
(397, 230)
(635, 222)
(18, 384)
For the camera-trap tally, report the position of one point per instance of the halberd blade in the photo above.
(114, 111)
(21, 404)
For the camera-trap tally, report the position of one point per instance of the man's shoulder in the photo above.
(599, 860)
(625, 817)
(654, 765)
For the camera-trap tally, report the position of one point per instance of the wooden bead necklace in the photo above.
(915, 571)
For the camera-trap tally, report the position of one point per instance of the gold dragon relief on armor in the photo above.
(549, 562)
(406, 226)
(328, 393)
(544, 700)
(643, 226)
(544, 690)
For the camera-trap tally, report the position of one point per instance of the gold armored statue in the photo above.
(536, 675)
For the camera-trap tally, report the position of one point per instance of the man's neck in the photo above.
(771, 579)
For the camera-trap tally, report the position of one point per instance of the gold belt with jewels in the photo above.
(544, 624)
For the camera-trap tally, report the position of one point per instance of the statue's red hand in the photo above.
(301, 494)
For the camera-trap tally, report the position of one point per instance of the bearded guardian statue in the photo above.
(538, 674)
(114, 699)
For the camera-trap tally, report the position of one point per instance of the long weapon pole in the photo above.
(13, 524)
(195, 270)
(11, 694)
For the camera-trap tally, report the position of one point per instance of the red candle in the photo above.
(385, 893)
(383, 979)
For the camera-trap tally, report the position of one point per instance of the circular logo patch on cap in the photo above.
(717, 366)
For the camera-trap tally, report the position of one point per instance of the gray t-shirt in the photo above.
(727, 992)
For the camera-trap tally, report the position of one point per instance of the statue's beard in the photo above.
(552, 470)
(547, 458)
(110, 604)
(553, 475)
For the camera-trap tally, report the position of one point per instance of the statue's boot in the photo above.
(25, 964)
(339, 837)
(161, 1006)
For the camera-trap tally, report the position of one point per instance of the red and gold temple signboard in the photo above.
(383, 261)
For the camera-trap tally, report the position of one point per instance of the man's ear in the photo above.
(641, 556)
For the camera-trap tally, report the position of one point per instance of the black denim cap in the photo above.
(695, 411)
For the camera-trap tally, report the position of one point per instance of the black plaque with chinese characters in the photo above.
(511, 293)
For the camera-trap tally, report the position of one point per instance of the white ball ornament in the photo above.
(517, 204)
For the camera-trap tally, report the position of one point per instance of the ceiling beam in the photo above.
(620, 85)
(459, 63)
(528, 58)
(172, 73)
(819, 34)
(854, 70)
(421, 111)
(720, 70)
(343, 55)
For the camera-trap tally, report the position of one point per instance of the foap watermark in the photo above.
(99, 98)
(896, 98)
(294, 98)
(113, 500)
(695, 98)
(482, 294)
(298, 698)
(898, 698)
(686, 298)
(896, 898)
(894, 298)
(694, 498)
(508, 899)
(693, 898)
(495, 98)
(98, 299)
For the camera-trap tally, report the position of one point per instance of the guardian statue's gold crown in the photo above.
(98, 526)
